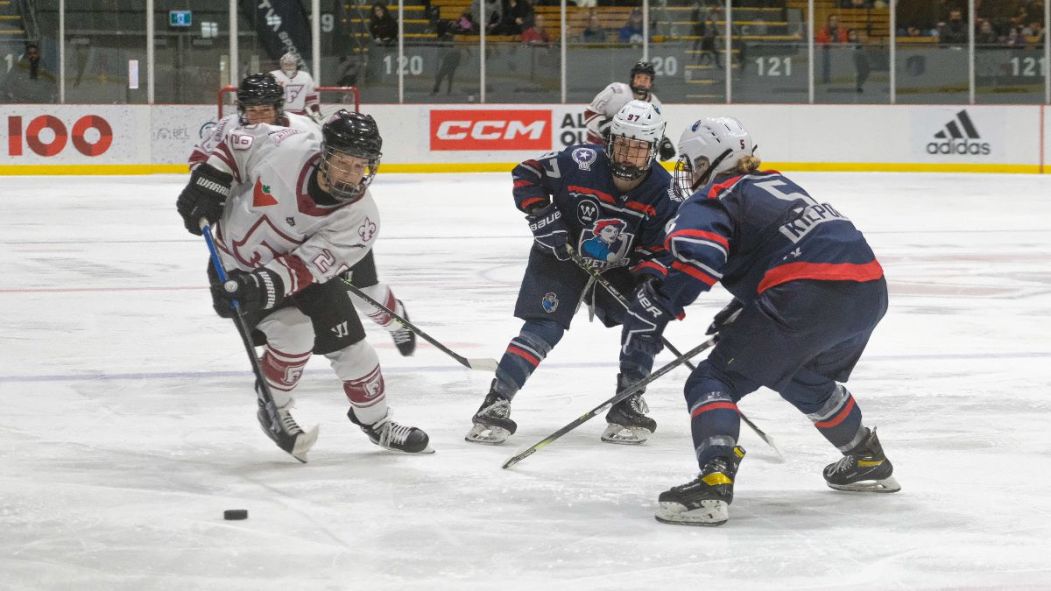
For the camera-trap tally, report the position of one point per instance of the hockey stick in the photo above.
(619, 396)
(485, 363)
(624, 302)
(262, 390)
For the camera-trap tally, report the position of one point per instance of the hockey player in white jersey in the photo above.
(608, 102)
(260, 99)
(304, 218)
(301, 96)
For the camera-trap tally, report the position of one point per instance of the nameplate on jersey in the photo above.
(808, 219)
(240, 141)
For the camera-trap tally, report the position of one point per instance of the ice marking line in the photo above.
(103, 376)
(185, 240)
(95, 289)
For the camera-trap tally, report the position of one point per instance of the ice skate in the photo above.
(285, 432)
(705, 500)
(390, 435)
(627, 420)
(404, 338)
(863, 469)
(492, 422)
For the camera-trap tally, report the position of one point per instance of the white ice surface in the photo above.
(128, 414)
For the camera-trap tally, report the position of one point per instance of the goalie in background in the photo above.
(300, 216)
(606, 104)
(301, 95)
(809, 292)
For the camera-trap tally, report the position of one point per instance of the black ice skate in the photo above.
(628, 423)
(404, 339)
(863, 469)
(704, 500)
(492, 422)
(390, 435)
(285, 432)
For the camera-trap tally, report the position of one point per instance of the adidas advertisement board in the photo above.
(958, 133)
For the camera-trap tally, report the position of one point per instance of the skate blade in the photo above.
(424, 451)
(709, 514)
(304, 442)
(487, 435)
(884, 485)
(621, 435)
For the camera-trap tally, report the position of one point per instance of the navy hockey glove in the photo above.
(666, 149)
(645, 322)
(550, 232)
(259, 290)
(724, 316)
(204, 197)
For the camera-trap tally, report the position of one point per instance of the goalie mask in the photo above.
(350, 154)
(634, 135)
(260, 90)
(289, 64)
(712, 146)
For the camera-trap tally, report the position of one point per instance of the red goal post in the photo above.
(330, 96)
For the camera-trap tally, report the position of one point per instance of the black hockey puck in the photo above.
(235, 514)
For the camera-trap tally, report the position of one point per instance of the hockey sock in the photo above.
(359, 368)
(839, 420)
(382, 293)
(524, 354)
(715, 422)
(282, 372)
(636, 365)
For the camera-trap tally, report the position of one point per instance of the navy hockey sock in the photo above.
(524, 354)
(840, 420)
(714, 419)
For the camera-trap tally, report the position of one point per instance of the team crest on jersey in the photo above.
(292, 91)
(606, 243)
(584, 157)
(261, 195)
(587, 211)
(549, 302)
(367, 230)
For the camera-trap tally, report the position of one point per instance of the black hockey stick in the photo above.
(623, 394)
(484, 363)
(262, 389)
(624, 302)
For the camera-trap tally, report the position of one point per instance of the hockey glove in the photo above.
(644, 324)
(550, 232)
(723, 318)
(666, 149)
(259, 290)
(203, 198)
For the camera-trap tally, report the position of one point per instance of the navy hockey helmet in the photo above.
(350, 153)
(259, 90)
(642, 67)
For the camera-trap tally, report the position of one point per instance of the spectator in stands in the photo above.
(831, 33)
(464, 25)
(631, 32)
(28, 81)
(517, 18)
(953, 32)
(862, 67)
(449, 52)
(708, 38)
(855, 3)
(382, 26)
(494, 14)
(593, 32)
(536, 34)
(985, 36)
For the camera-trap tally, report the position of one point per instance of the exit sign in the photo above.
(180, 18)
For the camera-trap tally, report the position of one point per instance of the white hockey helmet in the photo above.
(289, 64)
(708, 148)
(637, 120)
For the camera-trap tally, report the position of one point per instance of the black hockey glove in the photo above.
(666, 149)
(644, 324)
(259, 290)
(550, 231)
(722, 318)
(203, 197)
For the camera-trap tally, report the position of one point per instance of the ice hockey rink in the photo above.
(129, 417)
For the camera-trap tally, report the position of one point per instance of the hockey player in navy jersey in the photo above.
(809, 292)
(610, 205)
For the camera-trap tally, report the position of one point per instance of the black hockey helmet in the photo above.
(642, 67)
(259, 90)
(349, 133)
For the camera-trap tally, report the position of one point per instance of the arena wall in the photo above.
(140, 139)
